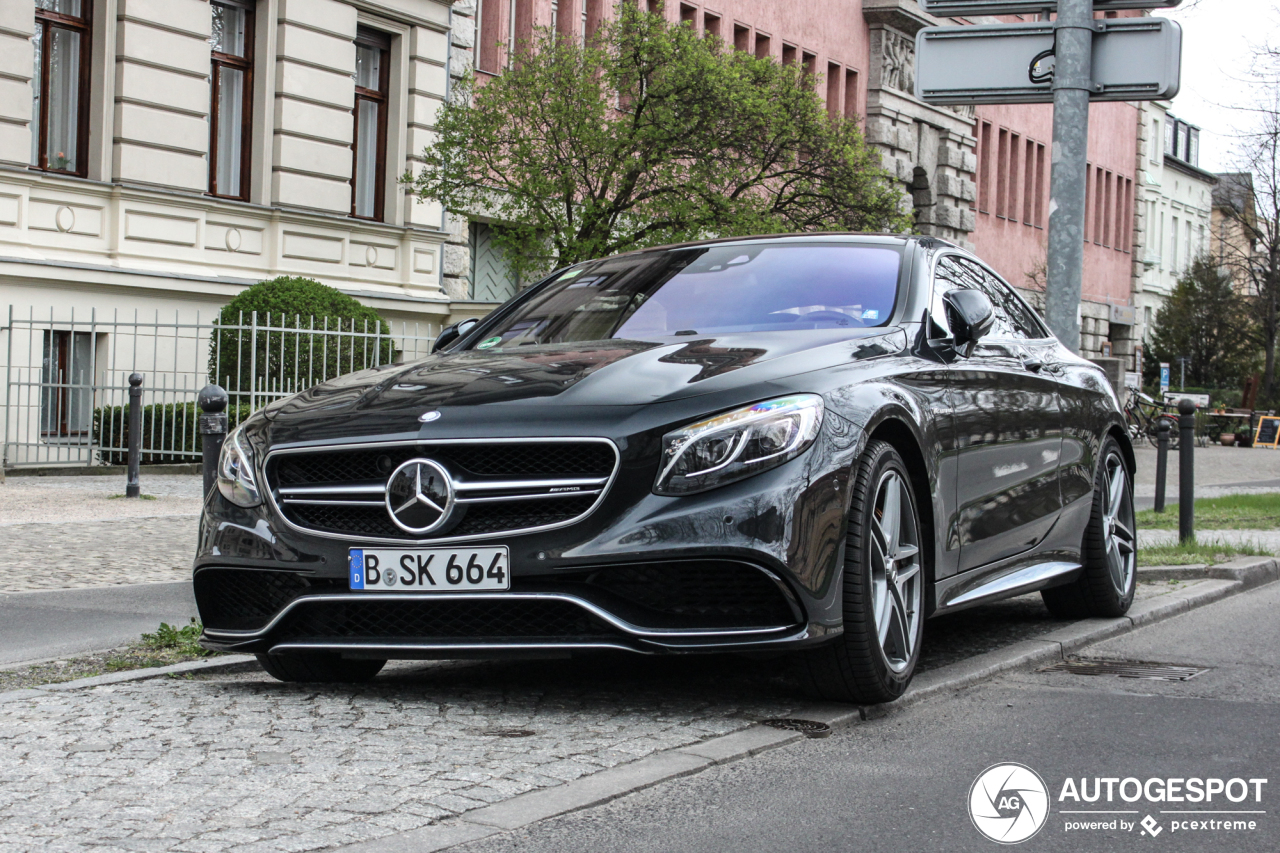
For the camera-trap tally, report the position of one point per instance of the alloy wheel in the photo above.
(896, 580)
(1118, 524)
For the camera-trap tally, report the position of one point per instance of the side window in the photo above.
(951, 273)
(946, 276)
(1004, 327)
(1024, 322)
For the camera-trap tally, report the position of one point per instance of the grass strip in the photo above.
(1194, 552)
(168, 645)
(1230, 512)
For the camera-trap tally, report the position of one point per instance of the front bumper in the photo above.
(756, 561)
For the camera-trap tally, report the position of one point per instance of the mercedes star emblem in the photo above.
(428, 417)
(419, 496)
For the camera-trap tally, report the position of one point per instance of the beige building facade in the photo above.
(164, 154)
(1174, 208)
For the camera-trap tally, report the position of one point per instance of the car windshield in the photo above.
(708, 290)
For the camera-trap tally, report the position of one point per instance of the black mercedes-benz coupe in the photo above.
(805, 444)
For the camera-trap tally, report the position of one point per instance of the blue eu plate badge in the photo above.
(356, 563)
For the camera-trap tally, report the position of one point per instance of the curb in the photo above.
(224, 663)
(1251, 571)
(520, 811)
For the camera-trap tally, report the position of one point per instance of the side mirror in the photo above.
(449, 334)
(970, 316)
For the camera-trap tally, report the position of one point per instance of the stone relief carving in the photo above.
(898, 58)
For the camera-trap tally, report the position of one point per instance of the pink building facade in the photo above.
(978, 177)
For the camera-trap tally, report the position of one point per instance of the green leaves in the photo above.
(1205, 318)
(649, 134)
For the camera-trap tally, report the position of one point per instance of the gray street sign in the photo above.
(972, 8)
(1134, 59)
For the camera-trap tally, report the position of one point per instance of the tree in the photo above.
(1206, 319)
(649, 133)
(286, 334)
(1249, 202)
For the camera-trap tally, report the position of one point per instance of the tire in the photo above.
(1109, 550)
(320, 668)
(873, 660)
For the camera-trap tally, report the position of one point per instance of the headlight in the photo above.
(236, 479)
(737, 444)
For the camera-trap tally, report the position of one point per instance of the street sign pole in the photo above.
(1129, 59)
(1072, 83)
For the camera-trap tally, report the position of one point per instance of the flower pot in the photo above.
(1228, 439)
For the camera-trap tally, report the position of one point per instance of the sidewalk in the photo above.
(69, 533)
(1219, 471)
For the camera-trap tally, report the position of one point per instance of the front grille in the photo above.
(247, 599)
(500, 487)
(373, 521)
(442, 620)
(704, 593)
(553, 459)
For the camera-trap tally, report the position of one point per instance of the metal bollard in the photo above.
(131, 487)
(1162, 460)
(213, 429)
(1186, 471)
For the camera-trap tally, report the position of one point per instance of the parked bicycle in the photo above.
(1144, 415)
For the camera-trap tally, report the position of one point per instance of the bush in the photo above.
(170, 432)
(276, 358)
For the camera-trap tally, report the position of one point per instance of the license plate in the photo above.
(434, 569)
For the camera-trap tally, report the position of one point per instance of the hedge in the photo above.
(168, 430)
(287, 360)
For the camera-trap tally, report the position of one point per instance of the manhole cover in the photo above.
(1127, 669)
(508, 733)
(808, 728)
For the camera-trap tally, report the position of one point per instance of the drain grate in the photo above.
(1127, 669)
(808, 728)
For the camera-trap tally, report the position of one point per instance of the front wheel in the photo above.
(883, 601)
(319, 668)
(1109, 550)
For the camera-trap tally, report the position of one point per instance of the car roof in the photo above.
(867, 238)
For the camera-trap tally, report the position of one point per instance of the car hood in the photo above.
(601, 373)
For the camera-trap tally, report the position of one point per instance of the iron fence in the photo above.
(66, 375)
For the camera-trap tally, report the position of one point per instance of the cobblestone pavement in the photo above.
(66, 532)
(96, 553)
(1219, 470)
(243, 762)
(27, 500)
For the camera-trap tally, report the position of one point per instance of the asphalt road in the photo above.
(42, 625)
(902, 782)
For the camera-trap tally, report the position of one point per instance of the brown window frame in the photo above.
(381, 41)
(84, 26)
(245, 64)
